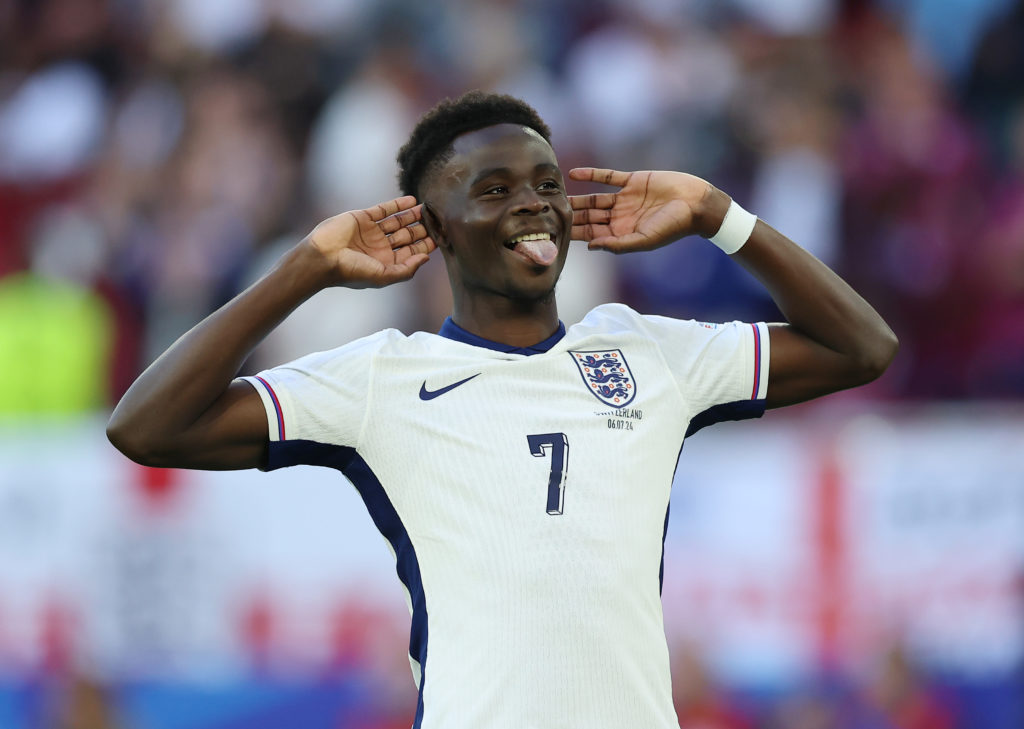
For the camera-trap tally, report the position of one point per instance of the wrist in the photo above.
(735, 229)
(710, 211)
(307, 269)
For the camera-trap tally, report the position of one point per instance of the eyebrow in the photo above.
(484, 174)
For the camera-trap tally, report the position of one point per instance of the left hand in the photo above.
(651, 209)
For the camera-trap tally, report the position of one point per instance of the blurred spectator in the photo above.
(227, 186)
(221, 26)
(792, 17)
(56, 334)
(948, 31)
(792, 111)
(54, 346)
(50, 127)
(352, 145)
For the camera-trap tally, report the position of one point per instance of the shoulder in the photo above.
(619, 318)
(358, 350)
(611, 317)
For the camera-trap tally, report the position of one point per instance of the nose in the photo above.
(529, 202)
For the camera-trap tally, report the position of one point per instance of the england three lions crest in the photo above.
(607, 376)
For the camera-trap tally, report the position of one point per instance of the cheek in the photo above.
(564, 209)
(467, 245)
(476, 220)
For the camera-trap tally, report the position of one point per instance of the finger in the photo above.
(591, 215)
(600, 200)
(599, 174)
(401, 219)
(425, 246)
(395, 272)
(364, 218)
(620, 244)
(390, 207)
(407, 235)
(589, 231)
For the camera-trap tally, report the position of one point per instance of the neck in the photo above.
(514, 322)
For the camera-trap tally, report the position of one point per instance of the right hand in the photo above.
(374, 247)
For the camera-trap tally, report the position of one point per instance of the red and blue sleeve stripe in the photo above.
(277, 407)
(757, 361)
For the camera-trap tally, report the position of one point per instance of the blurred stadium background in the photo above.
(851, 564)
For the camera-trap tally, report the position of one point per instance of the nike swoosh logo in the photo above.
(426, 394)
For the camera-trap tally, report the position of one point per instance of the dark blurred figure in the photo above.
(698, 701)
(996, 367)
(993, 89)
(809, 711)
(81, 703)
(915, 177)
(994, 96)
(899, 697)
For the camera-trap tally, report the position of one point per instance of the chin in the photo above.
(540, 294)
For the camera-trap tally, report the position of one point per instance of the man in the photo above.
(520, 471)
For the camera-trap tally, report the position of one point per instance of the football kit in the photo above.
(524, 493)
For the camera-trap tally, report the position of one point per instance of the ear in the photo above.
(434, 225)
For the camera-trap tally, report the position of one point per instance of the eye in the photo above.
(496, 190)
(549, 185)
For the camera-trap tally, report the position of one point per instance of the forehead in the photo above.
(510, 146)
(499, 135)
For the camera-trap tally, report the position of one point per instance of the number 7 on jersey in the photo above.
(558, 445)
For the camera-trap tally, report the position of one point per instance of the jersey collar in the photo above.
(451, 330)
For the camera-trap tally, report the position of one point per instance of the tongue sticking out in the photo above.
(541, 252)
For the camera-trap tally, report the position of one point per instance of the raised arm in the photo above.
(833, 338)
(184, 411)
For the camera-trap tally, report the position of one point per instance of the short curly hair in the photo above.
(431, 143)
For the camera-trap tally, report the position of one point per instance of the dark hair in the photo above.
(430, 144)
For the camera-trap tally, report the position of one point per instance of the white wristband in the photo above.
(736, 228)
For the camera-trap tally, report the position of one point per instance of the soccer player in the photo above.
(519, 469)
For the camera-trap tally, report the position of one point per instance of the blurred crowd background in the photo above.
(156, 156)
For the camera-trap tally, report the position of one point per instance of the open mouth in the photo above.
(535, 247)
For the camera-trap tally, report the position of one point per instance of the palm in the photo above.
(376, 246)
(650, 209)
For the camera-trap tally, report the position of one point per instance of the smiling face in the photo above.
(499, 213)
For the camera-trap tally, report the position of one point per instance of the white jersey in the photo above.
(524, 494)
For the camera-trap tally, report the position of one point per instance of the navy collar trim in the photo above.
(451, 330)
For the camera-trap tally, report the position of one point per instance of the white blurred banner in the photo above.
(794, 543)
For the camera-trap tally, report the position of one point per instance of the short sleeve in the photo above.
(721, 370)
(321, 397)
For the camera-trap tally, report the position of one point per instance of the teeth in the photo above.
(531, 236)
